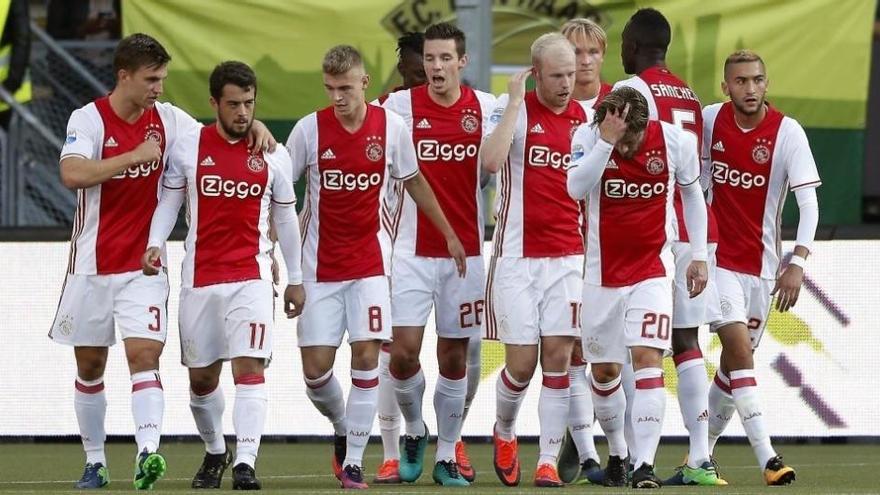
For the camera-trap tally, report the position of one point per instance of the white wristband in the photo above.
(797, 260)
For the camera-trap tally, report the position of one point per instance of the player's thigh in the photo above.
(85, 312)
(758, 306)
(460, 305)
(602, 320)
(322, 322)
(513, 315)
(732, 299)
(201, 319)
(687, 312)
(561, 285)
(413, 283)
(368, 309)
(249, 320)
(649, 314)
(141, 306)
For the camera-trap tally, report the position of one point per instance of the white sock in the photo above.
(693, 399)
(326, 394)
(744, 389)
(581, 415)
(509, 395)
(360, 412)
(649, 405)
(609, 402)
(207, 411)
(473, 373)
(628, 382)
(249, 417)
(449, 397)
(387, 410)
(147, 408)
(90, 404)
(721, 407)
(553, 407)
(410, 392)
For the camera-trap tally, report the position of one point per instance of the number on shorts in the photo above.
(262, 329)
(754, 324)
(474, 309)
(375, 319)
(661, 321)
(576, 309)
(155, 327)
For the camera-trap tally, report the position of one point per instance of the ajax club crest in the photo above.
(761, 151)
(153, 133)
(655, 164)
(469, 121)
(374, 149)
(255, 163)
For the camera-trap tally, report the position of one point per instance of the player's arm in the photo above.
(164, 219)
(496, 146)
(79, 172)
(687, 175)
(297, 149)
(586, 167)
(286, 226)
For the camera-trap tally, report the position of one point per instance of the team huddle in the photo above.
(626, 218)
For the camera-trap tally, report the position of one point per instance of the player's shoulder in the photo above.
(393, 118)
(630, 82)
(277, 158)
(87, 114)
(485, 99)
(676, 137)
(588, 109)
(790, 130)
(710, 112)
(398, 98)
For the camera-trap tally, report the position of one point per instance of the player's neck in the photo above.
(587, 91)
(552, 108)
(749, 122)
(446, 99)
(124, 108)
(353, 121)
(649, 63)
(223, 134)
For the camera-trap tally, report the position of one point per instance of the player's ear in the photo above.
(365, 79)
(724, 88)
(463, 61)
(214, 103)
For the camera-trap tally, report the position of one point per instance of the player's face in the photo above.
(443, 66)
(588, 56)
(746, 84)
(411, 69)
(346, 91)
(143, 86)
(235, 110)
(554, 77)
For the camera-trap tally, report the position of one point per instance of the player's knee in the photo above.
(91, 367)
(604, 372)
(521, 371)
(203, 384)
(684, 339)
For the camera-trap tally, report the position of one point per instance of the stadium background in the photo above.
(814, 364)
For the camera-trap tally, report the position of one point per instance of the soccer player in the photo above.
(755, 153)
(578, 457)
(114, 155)
(646, 38)
(446, 120)
(350, 151)
(627, 167)
(532, 294)
(409, 62)
(226, 301)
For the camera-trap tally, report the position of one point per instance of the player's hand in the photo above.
(456, 250)
(147, 152)
(789, 287)
(613, 126)
(697, 277)
(294, 300)
(150, 261)
(260, 138)
(276, 277)
(516, 87)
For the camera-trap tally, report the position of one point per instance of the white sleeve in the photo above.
(639, 84)
(684, 150)
(282, 183)
(404, 164)
(82, 136)
(808, 216)
(174, 176)
(165, 216)
(589, 155)
(495, 116)
(695, 219)
(488, 104)
(797, 156)
(298, 149)
(284, 215)
(184, 123)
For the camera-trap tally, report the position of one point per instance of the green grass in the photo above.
(305, 468)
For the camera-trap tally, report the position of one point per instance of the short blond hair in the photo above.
(546, 42)
(586, 27)
(742, 56)
(341, 59)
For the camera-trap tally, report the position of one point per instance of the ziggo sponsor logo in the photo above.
(214, 186)
(139, 170)
(337, 180)
(430, 150)
(542, 156)
(723, 174)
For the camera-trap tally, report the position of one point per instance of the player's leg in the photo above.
(320, 329)
(409, 391)
(474, 358)
(90, 405)
(578, 456)
(520, 362)
(555, 355)
(388, 413)
(207, 404)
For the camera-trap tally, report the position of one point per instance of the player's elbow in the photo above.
(490, 162)
(71, 180)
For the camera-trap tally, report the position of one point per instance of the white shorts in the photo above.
(530, 298)
(226, 321)
(705, 308)
(91, 305)
(745, 299)
(362, 306)
(418, 282)
(617, 318)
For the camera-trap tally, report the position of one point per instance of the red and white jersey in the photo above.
(671, 100)
(112, 220)
(229, 193)
(535, 216)
(630, 210)
(447, 141)
(345, 232)
(751, 172)
(604, 89)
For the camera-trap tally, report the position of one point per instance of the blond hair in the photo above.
(742, 56)
(637, 116)
(546, 42)
(587, 28)
(341, 59)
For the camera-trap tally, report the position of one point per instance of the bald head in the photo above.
(551, 46)
(553, 61)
